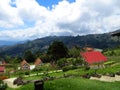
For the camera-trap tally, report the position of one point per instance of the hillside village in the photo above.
(59, 44)
(89, 62)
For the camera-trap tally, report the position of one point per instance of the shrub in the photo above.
(18, 81)
(20, 73)
(66, 68)
(62, 62)
(96, 75)
(3, 85)
(118, 73)
(69, 61)
(87, 68)
(112, 74)
(86, 76)
(77, 61)
(27, 73)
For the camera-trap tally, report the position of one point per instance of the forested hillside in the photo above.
(101, 41)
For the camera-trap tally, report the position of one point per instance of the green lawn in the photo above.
(29, 86)
(80, 84)
(74, 84)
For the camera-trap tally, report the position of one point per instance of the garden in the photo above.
(66, 71)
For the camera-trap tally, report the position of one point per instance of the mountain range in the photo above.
(9, 43)
(101, 41)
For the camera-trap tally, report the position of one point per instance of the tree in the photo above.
(8, 59)
(16, 60)
(45, 58)
(29, 56)
(57, 50)
(38, 54)
(74, 52)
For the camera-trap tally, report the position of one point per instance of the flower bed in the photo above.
(3, 77)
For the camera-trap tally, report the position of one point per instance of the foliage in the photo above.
(47, 67)
(57, 50)
(3, 85)
(66, 68)
(16, 60)
(64, 85)
(74, 52)
(62, 62)
(109, 62)
(96, 40)
(27, 72)
(78, 61)
(45, 58)
(69, 62)
(112, 52)
(73, 84)
(12, 60)
(29, 56)
(20, 73)
(8, 58)
(80, 84)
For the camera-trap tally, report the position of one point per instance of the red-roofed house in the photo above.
(2, 69)
(89, 49)
(93, 57)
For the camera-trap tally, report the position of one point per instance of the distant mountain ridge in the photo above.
(95, 40)
(8, 43)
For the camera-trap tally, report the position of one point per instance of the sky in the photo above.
(31, 19)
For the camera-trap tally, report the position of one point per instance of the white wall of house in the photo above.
(31, 67)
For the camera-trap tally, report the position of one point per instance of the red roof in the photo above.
(2, 69)
(93, 57)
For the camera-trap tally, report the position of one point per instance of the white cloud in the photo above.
(9, 17)
(81, 17)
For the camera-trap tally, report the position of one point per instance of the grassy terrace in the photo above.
(74, 84)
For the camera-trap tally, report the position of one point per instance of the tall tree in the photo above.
(57, 50)
(29, 56)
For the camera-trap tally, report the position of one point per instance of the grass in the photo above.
(74, 84)
(80, 84)
(77, 83)
(81, 71)
(29, 86)
(32, 78)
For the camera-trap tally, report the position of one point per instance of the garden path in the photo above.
(10, 83)
(107, 78)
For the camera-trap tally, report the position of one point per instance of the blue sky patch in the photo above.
(12, 3)
(49, 3)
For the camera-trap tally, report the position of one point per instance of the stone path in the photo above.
(107, 78)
